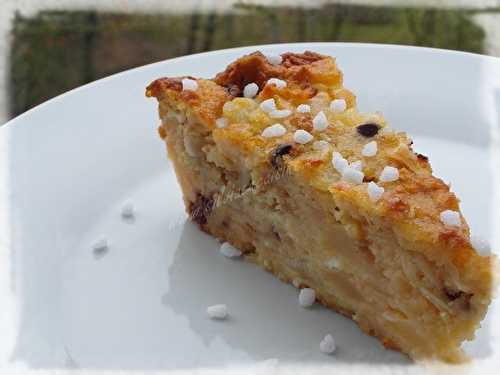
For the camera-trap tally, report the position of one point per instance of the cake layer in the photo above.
(391, 264)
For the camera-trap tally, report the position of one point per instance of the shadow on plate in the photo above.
(265, 318)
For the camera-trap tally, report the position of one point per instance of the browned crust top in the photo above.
(412, 204)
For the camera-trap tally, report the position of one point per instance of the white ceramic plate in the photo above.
(67, 166)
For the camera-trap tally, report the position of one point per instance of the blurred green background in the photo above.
(54, 51)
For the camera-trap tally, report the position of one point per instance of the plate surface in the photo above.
(67, 166)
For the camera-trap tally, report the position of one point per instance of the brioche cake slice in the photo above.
(273, 156)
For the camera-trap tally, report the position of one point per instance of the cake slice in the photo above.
(273, 156)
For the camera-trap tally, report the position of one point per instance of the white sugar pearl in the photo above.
(280, 113)
(480, 245)
(370, 149)
(374, 191)
(307, 296)
(352, 175)
(357, 165)
(450, 218)
(189, 84)
(217, 311)
(273, 59)
(229, 250)
(339, 163)
(301, 136)
(276, 130)
(100, 247)
(221, 122)
(250, 90)
(389, 174)
(304, 108)
(320, 145)
(128, 210)
(327, 345)
(320, 122)
(279, 83)
(338, 105)
(268, 105)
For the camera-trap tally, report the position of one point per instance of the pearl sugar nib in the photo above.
(273, 58)
(375, 192)
(302, 136)
(370, 149)
(128, 210)
(352, 175)
(268, 105)
(327, 345)
(250, 90)
(450, 218)
(100, 247)
(320, 122)
(279, 83)
(189, 84)
(218, 312)
(229, 250)
(276, 130)
(280, 113)
(307, 297)
(339, 162)
(357, 165)
(389, 174)
(338, 106)
(304, 108)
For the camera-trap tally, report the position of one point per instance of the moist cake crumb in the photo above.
(279, 152)
(229, 250)
(296, 283)
(218, 312)
(327, 345)
(320, 145)
(450, 218)
(221, 122)
(307, 296)
(276, 130)
(333, 263)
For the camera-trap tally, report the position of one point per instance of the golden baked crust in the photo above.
(408, 213)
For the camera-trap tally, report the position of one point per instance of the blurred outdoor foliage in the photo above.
(57, 50)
